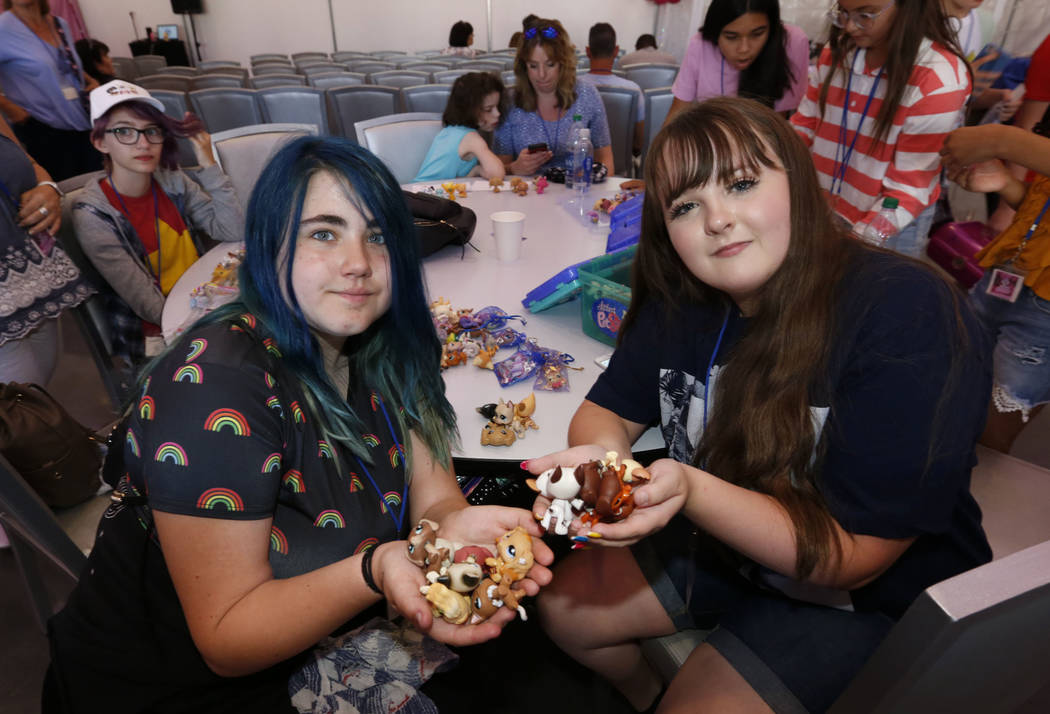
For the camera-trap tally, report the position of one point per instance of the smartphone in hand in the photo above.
(537, 147)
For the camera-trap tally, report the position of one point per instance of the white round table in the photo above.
(555, 238)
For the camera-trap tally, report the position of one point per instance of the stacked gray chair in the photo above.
(386, 54)
(266, 56)
(181, 71)
(332, 80)
(369, 66)
(399, 78)
(265, 81)
(171, 82)
(273, 68)
(426, 98)
(344, 55)
(176, 104)
(227, 70)
(294, 105)
(226, 108)
(651, 76)
(508, 77)
(482, 66)
(621, 111)
(657, 105)
(125, 68)
(212, 81)
(309, 55)
(209, 65)
(427, 66)
(321, 68)
(349, 105)
(244, 152)
(449, 76)
(149, 64)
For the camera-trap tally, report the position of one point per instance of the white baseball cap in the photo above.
(117, 92)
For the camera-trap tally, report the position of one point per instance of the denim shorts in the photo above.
(799, 657)
(912, 239)
(1021, 331)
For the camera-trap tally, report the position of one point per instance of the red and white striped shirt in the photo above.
(905, 165)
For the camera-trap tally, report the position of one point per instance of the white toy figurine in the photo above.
(561, 486)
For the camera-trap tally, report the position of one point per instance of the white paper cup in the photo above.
(508, 227)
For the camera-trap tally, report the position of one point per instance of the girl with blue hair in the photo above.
(275, 458)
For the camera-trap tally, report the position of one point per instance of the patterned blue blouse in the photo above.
(522, 128)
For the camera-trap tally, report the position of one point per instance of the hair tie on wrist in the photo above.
(366, 571)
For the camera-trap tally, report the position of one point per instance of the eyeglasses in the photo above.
(130, 135)
(550, 32)
(864, 20)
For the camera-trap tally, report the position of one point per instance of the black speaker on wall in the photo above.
(187, 6)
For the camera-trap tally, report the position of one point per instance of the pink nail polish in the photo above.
(524, 465)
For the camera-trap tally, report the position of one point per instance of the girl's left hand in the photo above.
(40, 210)
(202, 147)
(655, 504)
(484, 525)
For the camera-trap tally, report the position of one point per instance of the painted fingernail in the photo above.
(594, 534)
(580, 546)
(581, 539)
(524, 465)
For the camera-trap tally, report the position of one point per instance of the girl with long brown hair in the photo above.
(819, 400)
(897, 67)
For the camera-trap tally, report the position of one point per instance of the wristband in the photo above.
(366, 571)
(53, 185)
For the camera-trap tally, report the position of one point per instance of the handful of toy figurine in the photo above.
(465, 583)
(598, 490)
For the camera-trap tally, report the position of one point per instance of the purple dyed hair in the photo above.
(173, 128)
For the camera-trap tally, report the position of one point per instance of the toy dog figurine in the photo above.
(607, 487)
(513, 561)
(563, 488)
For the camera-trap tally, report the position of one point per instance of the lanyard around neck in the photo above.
(557, 133)
(399, 519)
(156, 225)
(1031, 229)
(840, 148)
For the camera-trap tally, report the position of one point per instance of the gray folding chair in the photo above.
(309, 55)
(176, 104)
(657, 104)
(226, 108)
(508, 77)
(399, 78)
(584, 63)
(215, 80)
(208, 65)
(973, 643)
(651, 76)
(149, 64)
(125, 68)
(265, 81)
(172, 82)
(482, 66)
(255, 59)
(349, 105)
(181, 71)
(621, 111)
(244, 152)
(344, 55)
(294, 105)
(400, 141)
(426, 98)
(227, 70)
(426, 66)
(335, 79)
(367, 66)
(321, 68)
(273, 68)
(449, 76)
(384, 54)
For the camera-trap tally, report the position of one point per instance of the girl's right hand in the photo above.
(985, 177)
(569, 458)
(656, 502)
(529, 162)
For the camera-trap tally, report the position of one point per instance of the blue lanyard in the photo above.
(841, 166)
(711, 363)
(399, 519)
(10, 196)
(1031, 229)
(557, 134)
(156, 225)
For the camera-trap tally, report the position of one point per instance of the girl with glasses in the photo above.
(889, 86)
(819, 400)
(136, 223)
(743, 49)
(546, 98)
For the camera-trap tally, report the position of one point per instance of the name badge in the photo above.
(1005, 285)
(70, 93)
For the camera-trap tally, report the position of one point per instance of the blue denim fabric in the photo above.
(911, 240)
(1021, 331)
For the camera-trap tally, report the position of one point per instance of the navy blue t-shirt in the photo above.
(889, 365)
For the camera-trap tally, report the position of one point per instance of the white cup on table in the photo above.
(508, 229)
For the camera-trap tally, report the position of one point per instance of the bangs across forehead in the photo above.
(690, 155)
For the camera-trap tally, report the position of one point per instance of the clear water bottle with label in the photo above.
(574, 134)
(884, 225)
(582, 161)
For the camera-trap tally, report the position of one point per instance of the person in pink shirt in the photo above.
(743, 49)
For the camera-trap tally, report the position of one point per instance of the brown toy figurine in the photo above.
(606, 488)
(446, 603)
(513, 561)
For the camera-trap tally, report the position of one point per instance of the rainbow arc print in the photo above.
(330, 519)
(191, 373)
(391, 499)
(133, 443)
(294, 481)
(170, 452)
(197, 348)
(147, 408)
(365, 545)
(227, 419)
(278, 541)
(272, 463)
(220, 499)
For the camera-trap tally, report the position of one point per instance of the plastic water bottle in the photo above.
(582, 160)
(574, 135)
(884, 225)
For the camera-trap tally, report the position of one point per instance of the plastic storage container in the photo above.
(606, 293)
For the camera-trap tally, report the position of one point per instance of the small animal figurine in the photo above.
(607, 487)
(449, 187)
(446, 603)
(519, 186)
(425, 532)
(484, 358)
(563, 488)
(452, 354)
(441, 307)
(541, 184)
(493, 434)
(462, 577)
(523, 412)
(513, 561)
(484, 602)
(462, 189)
(496, 183)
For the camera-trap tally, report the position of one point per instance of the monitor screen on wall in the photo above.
(167, 32)
(190, 6)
